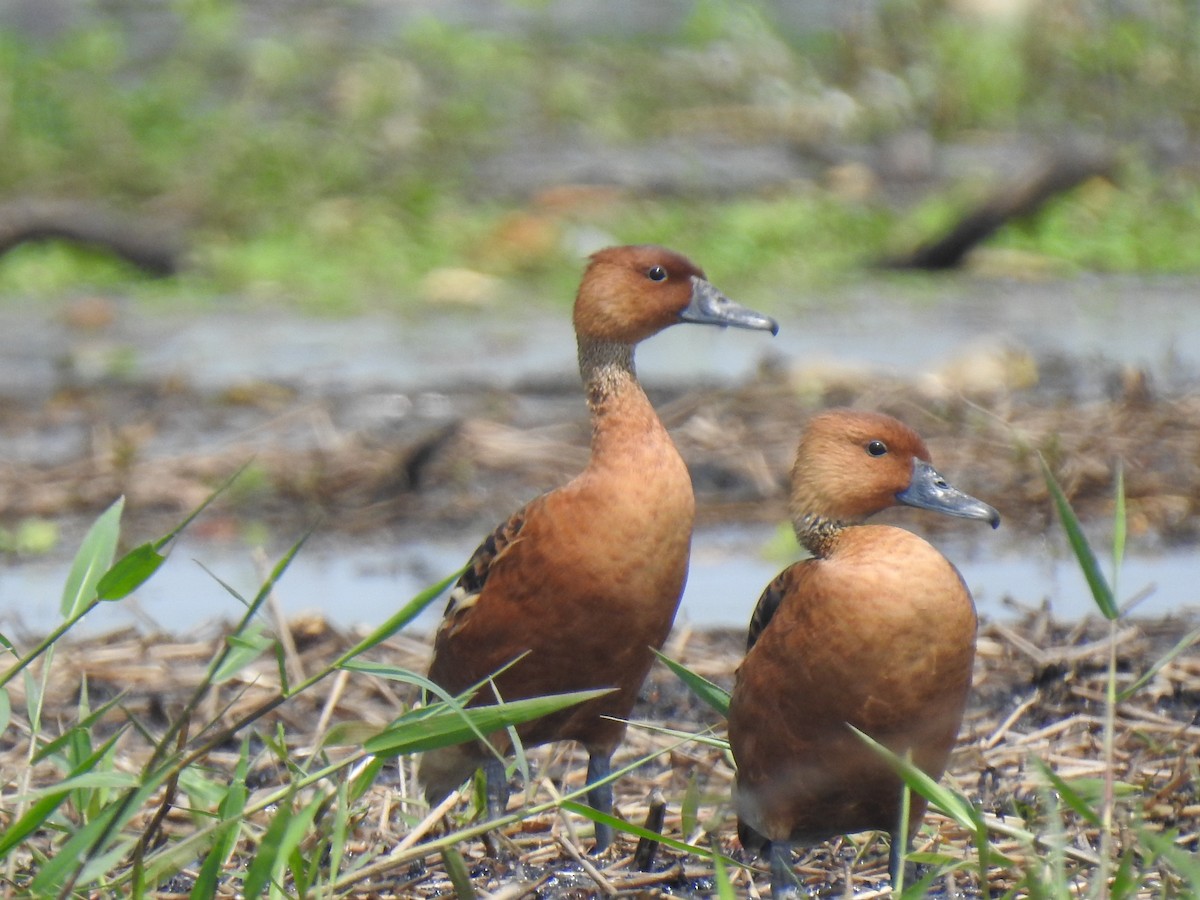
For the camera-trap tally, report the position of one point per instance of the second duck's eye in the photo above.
(877, 448)
(656, 273)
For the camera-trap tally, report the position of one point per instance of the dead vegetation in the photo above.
(1038, 696)
(467, 457)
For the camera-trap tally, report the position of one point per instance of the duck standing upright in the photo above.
(877, 631)
(584, 580)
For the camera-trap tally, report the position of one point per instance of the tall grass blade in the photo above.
(1101, 592)
(1125, 879)
(952, 803)
(1184, 862)
(1185, 643)
(283, 836)
(92, 560)
(460, 876)
(1120, 526)
(581, 809)
(403, 616)
(695, 737)
(721, 877)
(1069, 795)
(191, 517)
(440, 726)
(87, 722)
(341, 829)
(137, 566)
(711, 694)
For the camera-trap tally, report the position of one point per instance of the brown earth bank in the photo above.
(463, 458)
(1038, 698)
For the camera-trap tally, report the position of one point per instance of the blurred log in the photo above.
(1016, 200)
(149, 245)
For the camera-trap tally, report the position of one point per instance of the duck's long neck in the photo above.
(619, 407)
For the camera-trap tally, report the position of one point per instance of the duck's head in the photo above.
(852, 464)
(630, 293)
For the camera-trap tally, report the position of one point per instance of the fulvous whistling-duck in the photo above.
(586, 579)
(877, 631)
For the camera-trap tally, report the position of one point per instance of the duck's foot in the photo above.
(784, 883)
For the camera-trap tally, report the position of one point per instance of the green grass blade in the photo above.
(711, 694)
(439, 726)
(5, 710)
(689, 807)
(191, 517)
(1069, 795)
(243, 649)
(341, 829)
(1120, 525)
(93, 559)
(581, 809)
(282, 838)
(1125, 879)
(459, 874)
(404, 616)
(697, 737)
(952, 803)
(85, 723)
(1184, 643)
(86, 780)
(1101, 592)
(225, 836)
(721, 877)
(129, 573)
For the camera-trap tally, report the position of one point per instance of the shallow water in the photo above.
(363, 585)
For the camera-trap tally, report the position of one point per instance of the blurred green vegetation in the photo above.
(333, 166)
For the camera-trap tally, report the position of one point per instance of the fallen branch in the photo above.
(147, 244)
(1017, 199)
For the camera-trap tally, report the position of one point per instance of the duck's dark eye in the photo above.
(877, 448)
(656, 273)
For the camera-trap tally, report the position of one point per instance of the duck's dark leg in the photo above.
(497, 788)
(600, 796)
(898, 861)
(784, 885)
(497, 791)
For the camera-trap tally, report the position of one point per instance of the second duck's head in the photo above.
(852, 464)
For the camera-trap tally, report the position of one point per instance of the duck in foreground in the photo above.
(877, 631)
(583, 581)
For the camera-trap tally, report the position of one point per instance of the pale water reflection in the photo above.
(366, 584)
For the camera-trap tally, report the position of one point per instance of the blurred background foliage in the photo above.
(348, 156)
